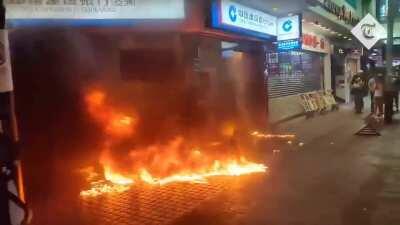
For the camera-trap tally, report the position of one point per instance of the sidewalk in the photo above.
(332, 178)
(364, 169)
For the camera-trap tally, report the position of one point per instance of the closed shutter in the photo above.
(292, 73)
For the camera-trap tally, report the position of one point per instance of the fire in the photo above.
(113, 184)
(271, 136)
(115, 124)
(116, 178)
(175, 161)
(231, 168)
(100, 188)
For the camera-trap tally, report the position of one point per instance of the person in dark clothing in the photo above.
(371, 87)
(6, 158)
(358, 91)
(396, 100)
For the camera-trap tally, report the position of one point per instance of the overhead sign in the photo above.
(289, 33)
(289, 45)
(76, 10)
(340, 11)
(315, 43)
(369, 31)
(232, 16)
(289, 28)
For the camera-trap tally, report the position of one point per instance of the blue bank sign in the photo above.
(289, 33)
(232, 16)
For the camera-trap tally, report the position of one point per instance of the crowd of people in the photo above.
(383, 97)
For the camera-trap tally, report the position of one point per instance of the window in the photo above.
(382, 9)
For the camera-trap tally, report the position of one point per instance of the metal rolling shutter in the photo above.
(292, 73)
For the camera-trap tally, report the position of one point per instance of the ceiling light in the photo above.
(290, 14)
(275, 9)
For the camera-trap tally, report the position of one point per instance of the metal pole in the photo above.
(392, 10)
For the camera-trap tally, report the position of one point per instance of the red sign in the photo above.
(313, 41)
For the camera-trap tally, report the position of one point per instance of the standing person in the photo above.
(358, 90)
(378, 95)
(396, 99)
(371, 87)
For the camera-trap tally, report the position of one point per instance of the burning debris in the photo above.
(273, 136)
(178, 160)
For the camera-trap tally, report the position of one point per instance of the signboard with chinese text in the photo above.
(78, 10)
(316, 43)
(232, 16)
(343, 13)
(289, 45)
(369, 31)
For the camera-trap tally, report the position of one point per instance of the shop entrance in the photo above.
(115, 126)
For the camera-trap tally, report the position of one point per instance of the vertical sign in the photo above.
(289, 33)
(6, 83)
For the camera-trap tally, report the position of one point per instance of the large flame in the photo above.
(115, 124)
(178, 160)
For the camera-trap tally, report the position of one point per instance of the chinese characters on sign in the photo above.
(289, 45)
(233, 16)
(99, 3)
(94, 9)
(315, 43)
(342, 12)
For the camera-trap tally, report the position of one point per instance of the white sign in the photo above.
(289, 28)
(237, 15)
(95, 9)
(6, 83)
(369, 31)
(316, 43)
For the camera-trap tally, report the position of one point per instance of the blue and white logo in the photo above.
(233, 13)
(287, 25)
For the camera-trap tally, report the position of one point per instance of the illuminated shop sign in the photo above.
(315, 43)
(231, 16)
(289, 33)
(288, 45)
(342, 12)
(21, 12)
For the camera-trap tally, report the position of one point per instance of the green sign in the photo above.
(352, 3)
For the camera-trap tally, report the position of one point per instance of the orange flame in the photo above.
(115, 124)
(271, 136)
(158, 164)
(231, 168)
(116, 178)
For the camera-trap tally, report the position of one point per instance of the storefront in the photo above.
(346, 62)
(291, 73)
(166, 79)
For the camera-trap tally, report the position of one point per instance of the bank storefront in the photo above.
(298, 71)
